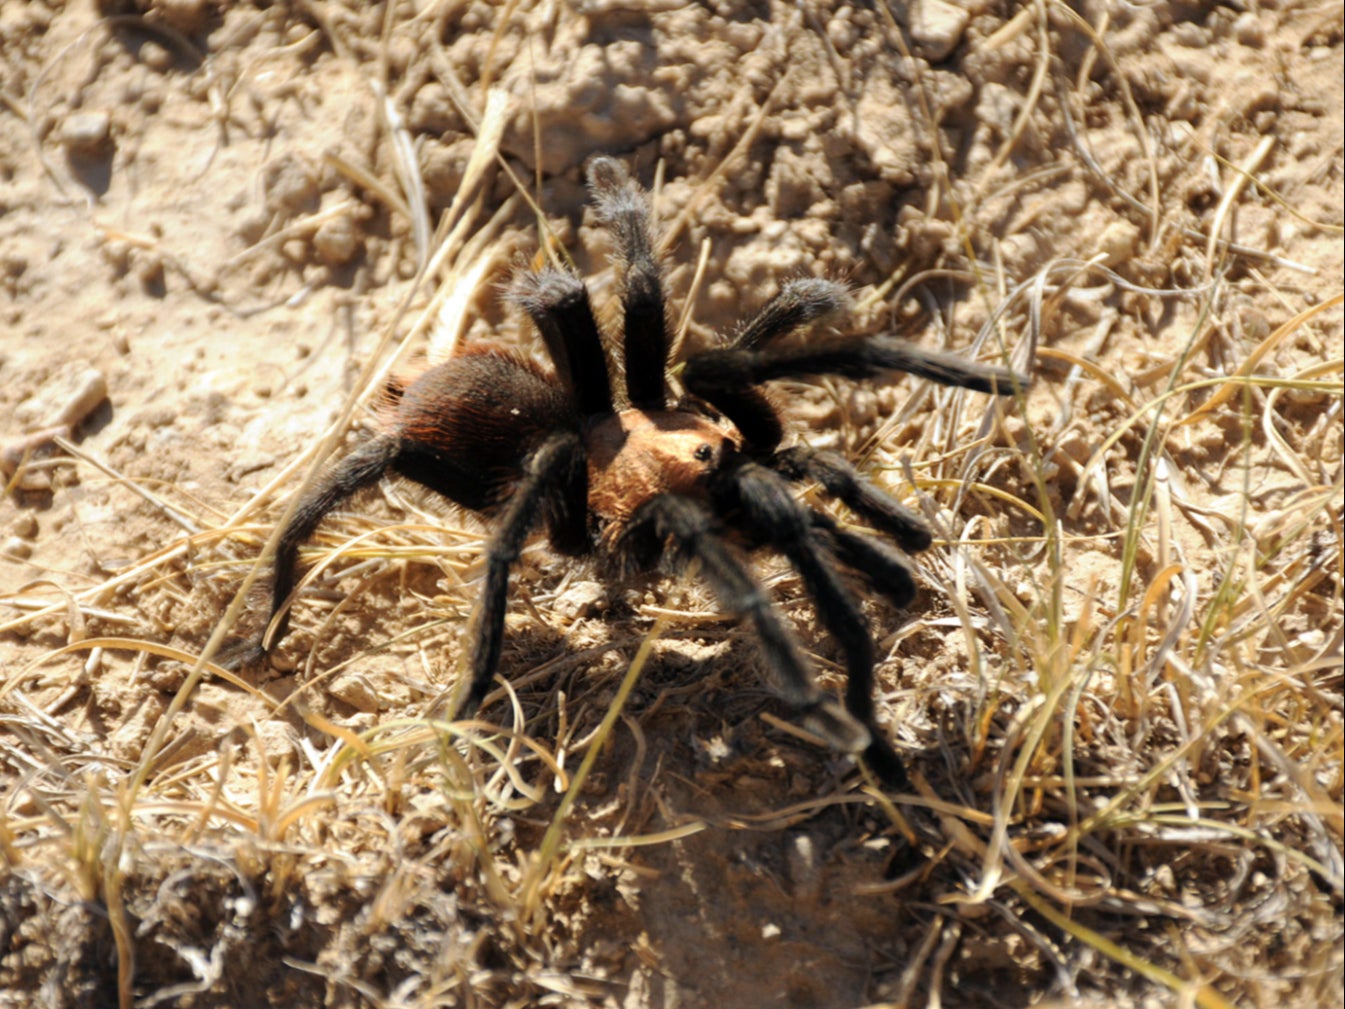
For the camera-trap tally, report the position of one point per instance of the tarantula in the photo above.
(641, 475)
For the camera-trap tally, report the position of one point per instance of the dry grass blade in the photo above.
(1229, 388)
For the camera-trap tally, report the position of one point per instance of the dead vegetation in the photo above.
(1120, 697)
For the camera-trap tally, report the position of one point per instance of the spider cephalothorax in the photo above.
(648, 477)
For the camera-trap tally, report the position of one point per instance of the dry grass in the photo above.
(1122, 707)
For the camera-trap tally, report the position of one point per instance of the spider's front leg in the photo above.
(682, 530)
(884, 567)
(765, 507)
(552, 474)
(841, 480)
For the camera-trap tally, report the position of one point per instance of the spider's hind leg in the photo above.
(623, 208)
(362, 468)
(765, 506)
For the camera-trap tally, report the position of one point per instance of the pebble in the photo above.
(355, 690)
(937, 27)
(579, 599)
(187, 16)
(276, 739)
(86, 134)
(1077, 447)
(90, 392)
(156, 57)
(16, 547)
(1120, 241)
(1249, 30)
(337, 240)
(291, 187)
(63, 403)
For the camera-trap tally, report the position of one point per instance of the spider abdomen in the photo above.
(636, 455)
(465, 426)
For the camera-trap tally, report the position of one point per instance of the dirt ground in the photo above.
(1120, 691)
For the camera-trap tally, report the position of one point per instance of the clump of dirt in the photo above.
(1120, 693)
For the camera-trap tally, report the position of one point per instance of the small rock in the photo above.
(276, 740)
(90, 390)
(295, 250)
(1077, 447)
(156, 57)
(35, 481)
(291, 188)
(937, 27)
(337, 240)
(355, 690)
(1249, 30)
(1120, 241)
(16, 548)
(187, 16)
(251, 227)
(579, 599)
(63, 402)
(87, 134)
(25, 525)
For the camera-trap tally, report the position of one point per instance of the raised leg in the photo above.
(559, 307)
(681, 530)
(623, 207)
(799, 303)
(546, 473)
(763, 503)
(733, 368)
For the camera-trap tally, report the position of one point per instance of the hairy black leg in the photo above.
(843, 481)
(751, 411)
(546, 472)
(681, 529)
(559, 307)
(734, 368)
(761, 500)
(566, 513)
(623, 208)
(799, 303)
(884, 567)
(362, 468)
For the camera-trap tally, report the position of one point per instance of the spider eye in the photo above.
(705, 453)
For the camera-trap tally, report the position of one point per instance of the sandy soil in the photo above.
(213, 219)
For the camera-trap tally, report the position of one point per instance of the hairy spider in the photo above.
(644, 476)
